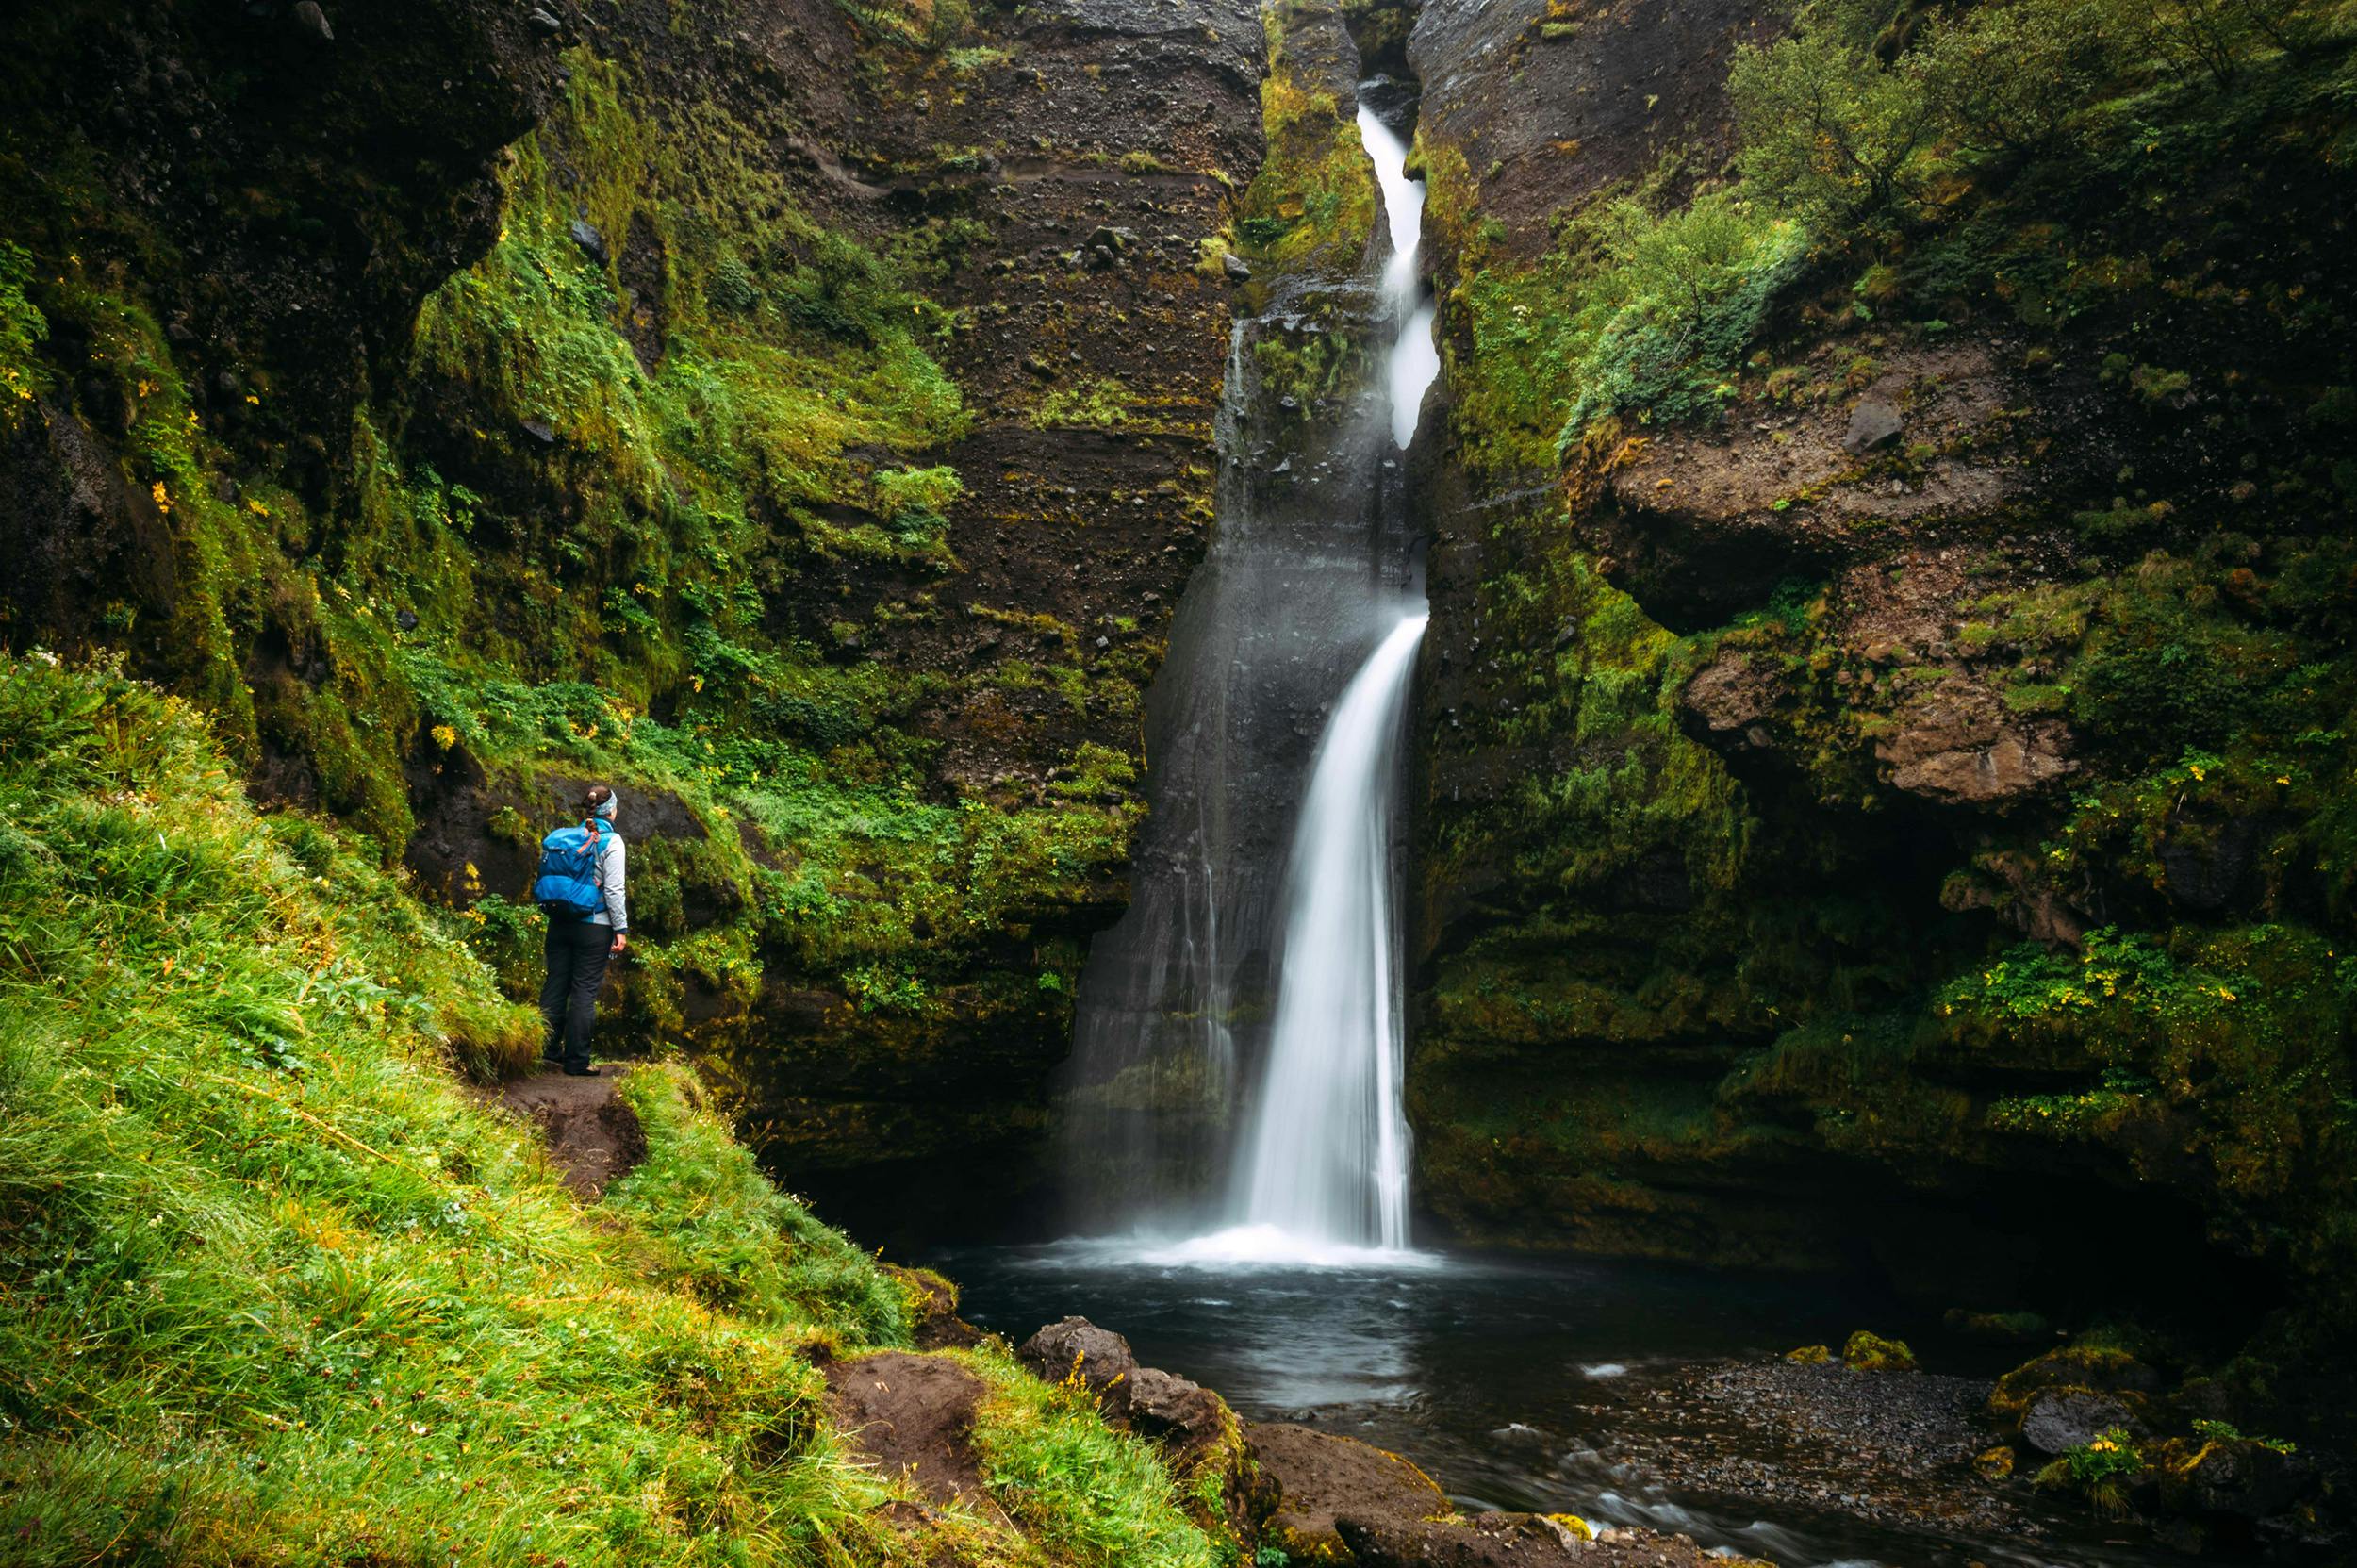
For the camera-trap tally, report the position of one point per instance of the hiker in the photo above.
(580, 885)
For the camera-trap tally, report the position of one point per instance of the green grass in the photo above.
(274, 1289)
(1073, 1484)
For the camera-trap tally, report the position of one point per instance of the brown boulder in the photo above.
(1958, 746)
(1173, 1410)
(1313, 1479)
(1075, 1347)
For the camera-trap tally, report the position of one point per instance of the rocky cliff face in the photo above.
(802, 416)
(1881, 720)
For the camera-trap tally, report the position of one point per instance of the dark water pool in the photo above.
(1522, 1385)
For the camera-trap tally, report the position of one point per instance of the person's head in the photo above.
(599, 802)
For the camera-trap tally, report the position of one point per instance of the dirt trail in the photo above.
(594, 1138)
(913, 1416)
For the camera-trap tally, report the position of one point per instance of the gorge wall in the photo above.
(1884, 746)
(1883, 772)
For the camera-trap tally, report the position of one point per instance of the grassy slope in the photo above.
(274, 1289)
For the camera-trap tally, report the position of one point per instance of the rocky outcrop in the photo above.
(1700, 523)
(1548, 104)
(1196, 1436)
(1334, 1499)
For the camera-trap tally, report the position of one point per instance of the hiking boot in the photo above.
(583, 1072)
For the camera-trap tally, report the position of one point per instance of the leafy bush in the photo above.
(1827, 129)
(22, 329)
(1686, 292)
(2016, 77)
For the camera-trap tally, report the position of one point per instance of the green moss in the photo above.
(1869, 1352)
(1312, 204)
(1102, 402)
(1086, 1494)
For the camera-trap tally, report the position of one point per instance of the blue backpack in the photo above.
(568, 886)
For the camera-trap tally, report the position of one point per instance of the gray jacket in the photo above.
(610, 859)
(610, 868)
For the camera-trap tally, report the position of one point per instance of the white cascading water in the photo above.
(1324, 1170)
(1328, 1162)
(1415, 361)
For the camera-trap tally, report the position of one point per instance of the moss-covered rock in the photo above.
(1866, 1352)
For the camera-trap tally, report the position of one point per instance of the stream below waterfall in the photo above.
(1616, 1391)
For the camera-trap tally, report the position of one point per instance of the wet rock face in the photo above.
(1551, 104)
(1699, 523)
(309, 186)
(75, 528)
(357, 162)
(1089, 159)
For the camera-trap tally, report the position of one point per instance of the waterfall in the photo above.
(1324, 1170)
(1415, 359)
(1327, 1160)
(1238, 1046)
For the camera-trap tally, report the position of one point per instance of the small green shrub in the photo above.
(2099, 1470)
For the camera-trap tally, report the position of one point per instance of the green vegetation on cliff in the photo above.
(655, 477)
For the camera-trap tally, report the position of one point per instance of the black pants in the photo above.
(577, 952)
